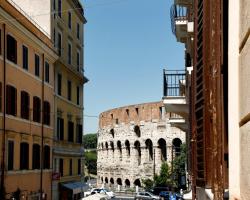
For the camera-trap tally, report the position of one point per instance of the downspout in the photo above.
(4, 113)
(41, 157)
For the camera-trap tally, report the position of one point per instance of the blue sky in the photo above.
(127, 45)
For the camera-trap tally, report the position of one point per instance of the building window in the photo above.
(78, 95)
(11, 49)
(79, 167)
(70, 131)
(78, 61)
(59, 44)
(137, 111)
(36, 109)
(25, 57)
(78, 30)
(24, 156)
(117, 121)
(25, 105)
(59, 8)
(79, 133)
(10, 155)
(11, 97)
(46, 157)
(60, 128)
(47, 72)
(54, 8)
(36, 156)
(69, 53)
(70, 167)
(127, 111)
(59, 84)
(1, 97)
(46, 113)
(37, 65)
(61, 166)
(69, 20)
(69, 90)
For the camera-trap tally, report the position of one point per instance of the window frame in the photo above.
(37, 65)
(25, 52)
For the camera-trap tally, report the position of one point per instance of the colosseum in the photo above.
(133, 141)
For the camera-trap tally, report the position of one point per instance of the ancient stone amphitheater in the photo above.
(133, 141)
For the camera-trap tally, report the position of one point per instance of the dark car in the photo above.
(164, 195)
(157, 190)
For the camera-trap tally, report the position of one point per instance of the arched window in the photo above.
(11, 100)
(138, 148)
(176, 146)
(112, 146)
(127, 183)
(137, 131)
(119, 181)
(163, 147)
(127, 145)
(36, 156)
(112, 132)
(149, 147)
(46, 113)
(106, 180)
(111, 180)
(137, 182)
(46, 157)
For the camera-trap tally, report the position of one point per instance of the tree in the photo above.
(164, 179)
(148, 183)
(91, 162)
(90, 141)
(179, 163)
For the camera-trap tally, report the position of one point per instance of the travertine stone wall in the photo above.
(146, 128)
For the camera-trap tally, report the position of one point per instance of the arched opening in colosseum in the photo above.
(102, 179)
(149, 147)
(111, 181)
(119, 181)
(107, 145)
(106, 180)
(137, 131)
(137, 182)
(127, 183)
(163, 147)
(127, 145)
(112, 146)
(176, 146)
(112, 132)
(102, 145)
(119, 146)
(138, 151)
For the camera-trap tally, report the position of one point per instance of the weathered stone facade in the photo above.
(133, 141)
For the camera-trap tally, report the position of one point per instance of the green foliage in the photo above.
(164, 179)
(90, 141)
(179, 165)
(148, 183)
(91, 162)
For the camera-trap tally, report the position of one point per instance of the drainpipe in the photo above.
(4, 113)
(41, 157)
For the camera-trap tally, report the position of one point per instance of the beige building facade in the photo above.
(26, 105)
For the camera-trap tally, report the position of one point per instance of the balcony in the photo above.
(183, 2)
(180, 21)
(174, 99)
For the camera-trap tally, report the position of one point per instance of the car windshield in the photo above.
(149, 193)
(106, 190)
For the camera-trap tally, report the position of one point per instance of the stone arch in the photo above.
(137, 130)
(176, 146)
(163, 147)
(149, 147)
(112, 132)
(106, 180)
(112, 146)
(111, 180)
(119, 147)
(127, 145)
(102, 179)
(137, 182)
(106, 145)
(127, 183)
(119, 181)
(102, 146)
(138, 151)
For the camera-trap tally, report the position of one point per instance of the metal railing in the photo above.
(174, 82)
(28, 17)
(177, 13)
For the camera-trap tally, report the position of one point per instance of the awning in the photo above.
(76, 187)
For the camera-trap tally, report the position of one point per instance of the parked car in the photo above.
(96, 197)
(107, 192)
(146, 195)
(164, 195)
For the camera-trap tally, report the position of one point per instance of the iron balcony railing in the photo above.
(174, 82)
(177, 13)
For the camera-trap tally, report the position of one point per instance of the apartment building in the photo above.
(67, 27)
(27, 62)
(218, 93)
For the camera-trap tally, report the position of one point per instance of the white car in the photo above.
(107, 192)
